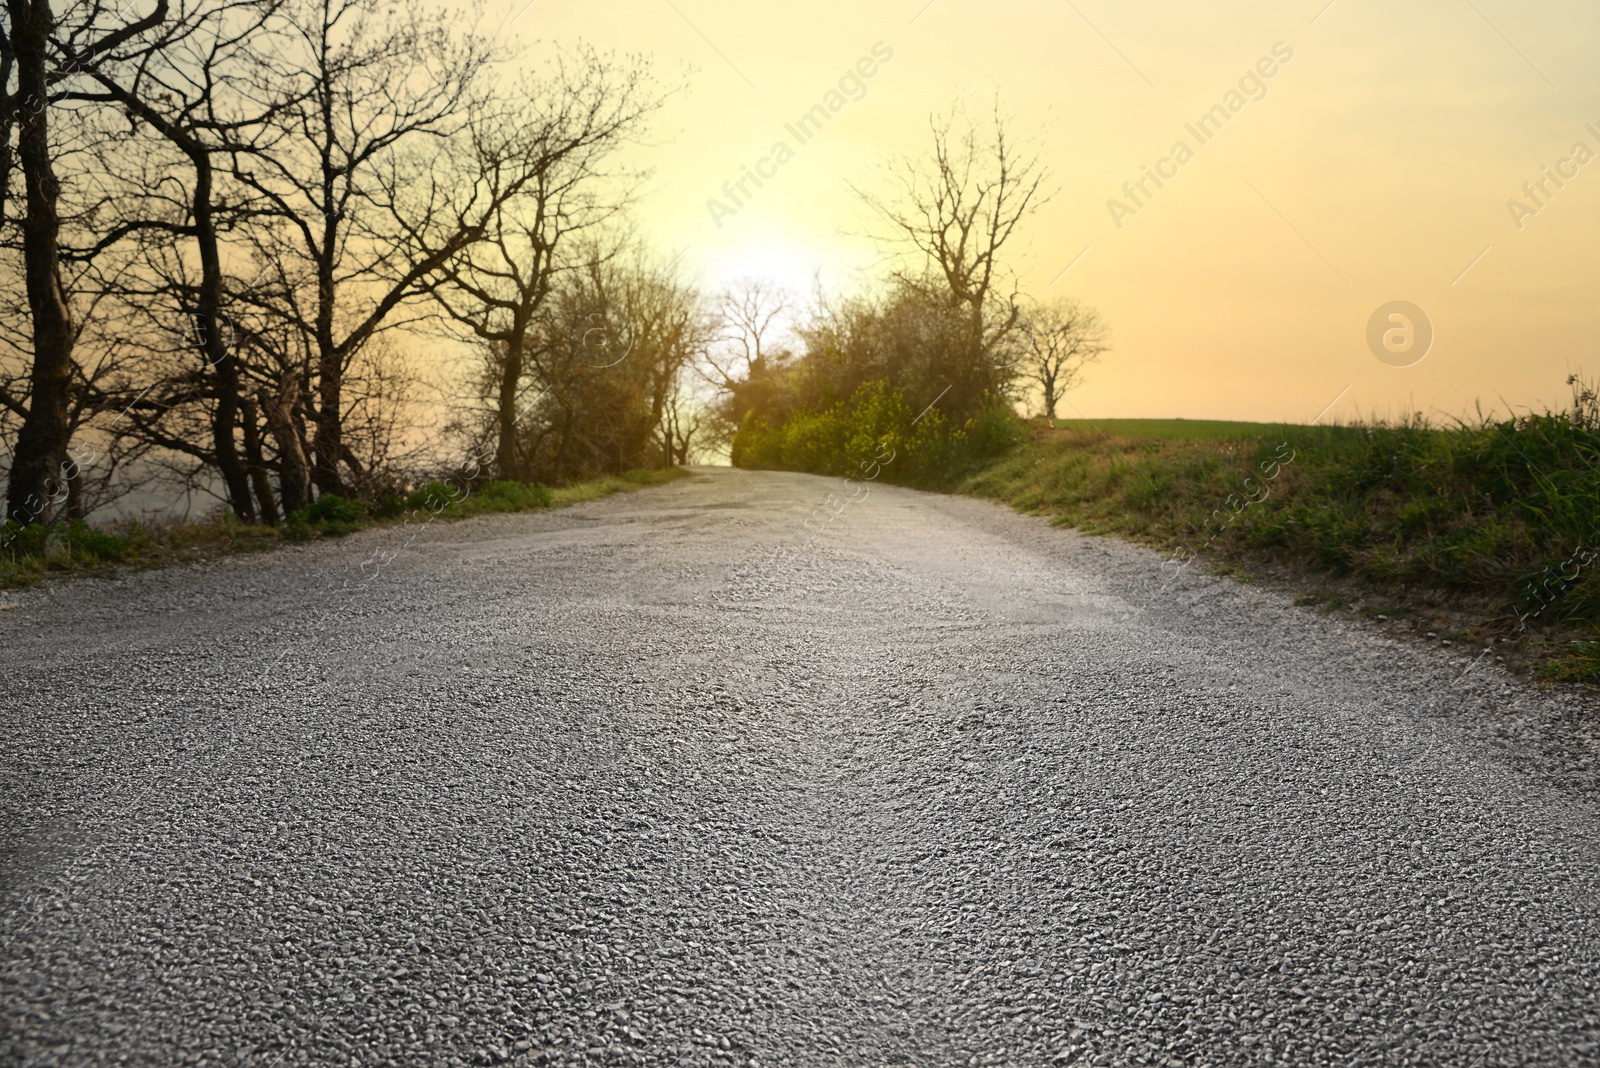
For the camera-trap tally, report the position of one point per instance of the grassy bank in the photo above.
(29, 555)
(1485, 534)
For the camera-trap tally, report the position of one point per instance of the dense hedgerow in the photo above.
(928, 451)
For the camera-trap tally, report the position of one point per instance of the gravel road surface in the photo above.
(661, 780)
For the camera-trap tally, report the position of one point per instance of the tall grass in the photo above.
(1505, 512)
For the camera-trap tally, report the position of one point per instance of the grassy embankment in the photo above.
(30, 554)
(1484, 534)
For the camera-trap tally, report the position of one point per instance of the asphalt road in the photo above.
(662, 780)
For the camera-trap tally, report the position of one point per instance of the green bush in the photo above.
(36, 547)
(90, 545)
(18, 540)
(927, 449)
(335, 515)
(389, 506)
(329, 516)
(434, 497)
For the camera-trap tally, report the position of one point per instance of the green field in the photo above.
(1176, 429)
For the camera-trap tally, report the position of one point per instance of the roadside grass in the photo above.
(30, 555)
(605, 487)
(1488, 531)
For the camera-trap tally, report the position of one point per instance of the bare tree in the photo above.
(45, 54)
(496, 287)
(354, 176)
(1061, 338)
(746, 352)
(582, 410)
(280, 362)
(606, 383)
(683, 420)
(954, 213)
(670, 332)
(180, 87)
(750, 318)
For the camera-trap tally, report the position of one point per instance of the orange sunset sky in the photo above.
(1381, 160)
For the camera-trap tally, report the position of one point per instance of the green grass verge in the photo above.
(1492, 530)
(30, 555)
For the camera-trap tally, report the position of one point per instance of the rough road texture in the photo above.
(650, 781)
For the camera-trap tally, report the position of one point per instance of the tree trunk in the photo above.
(294, 476)
(328, 443)
(328, 439)
(42, 441)
(8, 121)
(217, 346)
(75, 495)
(561, 447)
(258, 467)
(506, 463)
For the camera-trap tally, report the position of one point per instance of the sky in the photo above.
(1440, 153)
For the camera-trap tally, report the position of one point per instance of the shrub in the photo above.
(389, 506)
(18, 540)
(90, 545)
(928, 449)
(436, 496)
(329, 516)
(336, 515)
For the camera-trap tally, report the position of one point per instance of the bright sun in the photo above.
(787, 266)
(783, 256)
